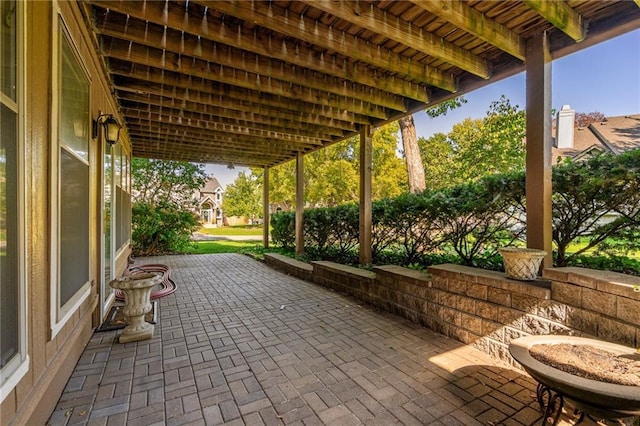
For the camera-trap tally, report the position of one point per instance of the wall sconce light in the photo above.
(111, 127)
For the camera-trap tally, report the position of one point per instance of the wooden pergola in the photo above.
(259, 83)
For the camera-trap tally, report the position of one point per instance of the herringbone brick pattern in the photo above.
(239, 343)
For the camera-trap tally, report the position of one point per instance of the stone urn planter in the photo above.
(521, 263)
(595, 398)
(137, 303)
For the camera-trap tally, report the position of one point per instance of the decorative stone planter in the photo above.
(522, 263)
(591, 397)
(137, 302)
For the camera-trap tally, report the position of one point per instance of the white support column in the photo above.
(538, 166)
(366, 163)
(299, 203)
(265, 208)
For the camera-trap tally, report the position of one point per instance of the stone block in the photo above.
(552, 311)
(451, 316)
(628, 310)
(617, 332)
(466, 304)
(478, 291)
(524, 302)
(511, 333)
(458, 286)
(486, 310)
(447, 299)
(597, 301)
(499, 296)
(471, 323)
(508, 316)
(566, 293)
(561, 330)
(584, 321)
(623, 287)
(534, 325)
(493, 329)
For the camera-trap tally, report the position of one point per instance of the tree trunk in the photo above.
(415, 168)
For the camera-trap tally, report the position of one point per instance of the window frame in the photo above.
(60, 314)
(17, 368)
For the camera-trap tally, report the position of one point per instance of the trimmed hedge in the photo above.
(598, 199)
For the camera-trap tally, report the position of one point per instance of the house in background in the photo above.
(210, 202)
(612, 135)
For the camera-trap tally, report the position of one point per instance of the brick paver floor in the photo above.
(240, 343)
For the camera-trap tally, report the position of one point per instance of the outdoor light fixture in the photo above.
(111, 127)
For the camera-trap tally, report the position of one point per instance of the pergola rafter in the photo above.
(315, 71)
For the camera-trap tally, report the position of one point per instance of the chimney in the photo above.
(565, 124)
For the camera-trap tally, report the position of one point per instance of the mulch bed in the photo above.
(589, 362)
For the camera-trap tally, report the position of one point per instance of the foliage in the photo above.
(162, 217)
(468, 222)
(157, 181)
(444, 107)
(161, 228)
(583, 119)
(331, 174)
(476, 148)
(612, 263)
(243, 197)
(598, 199)
(283, 230)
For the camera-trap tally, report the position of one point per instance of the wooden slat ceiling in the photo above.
(255, 82)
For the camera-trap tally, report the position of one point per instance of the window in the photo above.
(13, 350)
(71, 194)
(123, 199)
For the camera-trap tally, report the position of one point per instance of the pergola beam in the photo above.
(561, 15)
(370, 17)
(232, 95)
(242, 109)
(239, 38)
(162, 60)
(184, 135)
(269, 15)
(206, 128)
(167, 114)
(470, 20)
(243, 62)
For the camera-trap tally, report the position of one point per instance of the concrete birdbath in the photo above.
(594, 398)
(137, 303)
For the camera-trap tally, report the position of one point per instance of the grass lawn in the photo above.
(233, 230)
(221, 246)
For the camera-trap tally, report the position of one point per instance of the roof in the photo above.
(211, 185)
(614, 135)
(254, 83)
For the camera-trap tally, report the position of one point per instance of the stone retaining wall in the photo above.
(289, 266)
(487, 309)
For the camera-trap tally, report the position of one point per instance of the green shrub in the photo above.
(161, 228)
(283, 229)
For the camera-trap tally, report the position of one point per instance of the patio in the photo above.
(240, 343)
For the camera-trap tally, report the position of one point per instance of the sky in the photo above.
(604, 78)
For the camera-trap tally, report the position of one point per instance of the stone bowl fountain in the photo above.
(594, 398)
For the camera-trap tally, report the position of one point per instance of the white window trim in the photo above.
(60, 315)
(13, 372)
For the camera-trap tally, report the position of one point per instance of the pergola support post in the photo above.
(538, 164)
(366, 165)
(299, 203)
(265, 208)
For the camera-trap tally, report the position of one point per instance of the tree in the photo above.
(331, 174)
(415, 168)
(244, 196)
(477, 147)
(583, 119)
(156, 181)
(162, 211)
